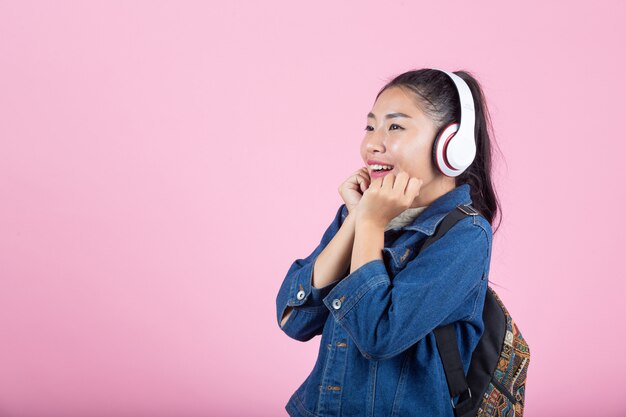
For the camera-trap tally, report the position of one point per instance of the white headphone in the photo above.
(454, 148)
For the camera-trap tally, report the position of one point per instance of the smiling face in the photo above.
(399, 134)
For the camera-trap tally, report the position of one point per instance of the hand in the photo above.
(352, 189)
(387, 197)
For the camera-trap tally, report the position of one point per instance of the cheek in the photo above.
(417, 161)
(363, 151)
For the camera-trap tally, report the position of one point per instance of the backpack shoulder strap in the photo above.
(445, 336)
(450, 220)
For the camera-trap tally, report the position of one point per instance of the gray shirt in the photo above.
(404, 218)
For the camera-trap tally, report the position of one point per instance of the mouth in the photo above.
(380, 167)
(378, 171)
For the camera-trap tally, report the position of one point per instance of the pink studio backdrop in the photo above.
(163, 163)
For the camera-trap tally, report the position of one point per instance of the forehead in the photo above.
(397, 99)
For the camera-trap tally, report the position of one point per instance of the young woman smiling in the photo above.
(365, 290)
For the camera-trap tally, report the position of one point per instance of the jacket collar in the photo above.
(427, 221)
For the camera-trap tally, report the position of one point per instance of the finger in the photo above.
(357, 172)
(362, 183)
(388, 181)
(413, 187)
(361, 170)
(354, 178)
(401, 182)
(362, 186)
(366, 178)
(377, 183)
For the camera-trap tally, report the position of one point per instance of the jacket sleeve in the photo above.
(309, 312)
(437, 287)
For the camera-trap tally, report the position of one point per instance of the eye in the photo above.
(390, 127)
(369, 128)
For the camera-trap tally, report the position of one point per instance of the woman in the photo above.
(365, 290)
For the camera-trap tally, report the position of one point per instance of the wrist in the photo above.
(363, 222)
(350, 219)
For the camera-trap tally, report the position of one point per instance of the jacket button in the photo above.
(300, 295)
(336, 304)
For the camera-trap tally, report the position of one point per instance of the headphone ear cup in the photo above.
(440, 149)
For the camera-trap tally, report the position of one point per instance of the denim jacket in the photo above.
(378, 355)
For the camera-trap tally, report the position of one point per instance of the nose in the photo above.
(375, 141)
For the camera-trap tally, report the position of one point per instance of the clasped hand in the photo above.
(386, 197)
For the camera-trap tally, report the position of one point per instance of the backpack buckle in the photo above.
(468, 209)
(469, 391)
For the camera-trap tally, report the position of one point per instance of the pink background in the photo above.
(163, 163)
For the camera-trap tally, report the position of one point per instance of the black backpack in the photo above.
(496, 378)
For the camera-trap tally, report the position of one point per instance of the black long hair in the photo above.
(438, 97)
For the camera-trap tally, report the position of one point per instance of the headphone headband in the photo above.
(455, 146)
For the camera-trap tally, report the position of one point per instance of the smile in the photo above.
(379, 174)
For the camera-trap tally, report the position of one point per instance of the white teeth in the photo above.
(380, 167)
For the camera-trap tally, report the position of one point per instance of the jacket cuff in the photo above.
(351, 289)
(303, 293)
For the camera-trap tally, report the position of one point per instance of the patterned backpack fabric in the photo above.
(496, 379)
(505, 394)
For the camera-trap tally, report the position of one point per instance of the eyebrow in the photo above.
(389, 116)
